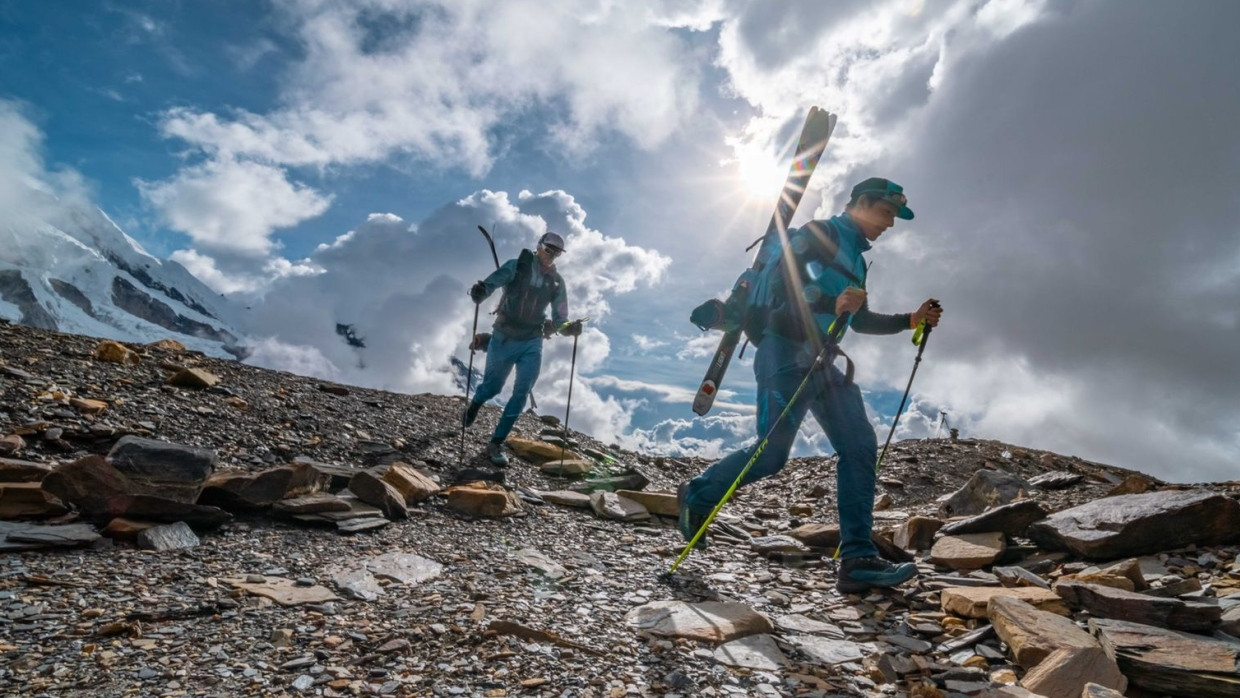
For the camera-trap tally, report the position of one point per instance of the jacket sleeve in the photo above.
(501, 277)
(867, 321)
(559, 306)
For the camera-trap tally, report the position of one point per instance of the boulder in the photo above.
(970, 551)
(1109, 602)
(373, 490)
(115, 352)
(100, 491)
(167, 470)
(917, 533)
(167, 344)
(483, 499)
(610, 505)
(410, 483)
(986, 489)
(1010, 519)
(194, 379)
(1033, 634)
(971, 602)
(28, 500)
(660, 503)
(177, 536)
(12, 470)
(1136, 524)
(539, 452)
(1165, 661)
(1066, 671)
(242, 492)
(708, 621)
(121, 528)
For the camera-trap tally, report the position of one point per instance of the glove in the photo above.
(478, 292)
(548, 328)
(572, 329)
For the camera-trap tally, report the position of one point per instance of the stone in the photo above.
(1032, 634)
(247, 492)
(98, 490)
(168, 511)
(579, 500)
(1136, 483)
(483, 499)
(1165, 661)
(1055, 480)
(1093, 690)
(1230, 621)
(1137, 524)
(707, 621)
(628, 480)
(539, 452)
(311, 504)
(777, 545)
(548, 567)
(121, 528)
(566, 468)
(1019, 577)
(194, 379)
(333, 389)
(971, 602)
(1065, 672)
(361, 581)
(1010, 519)
(373, 490)
(283, 591)
(27, 536)
(11, 443)
(28, 500)
(757, 652)
(411, 484)
(167, 470)
(826, 651)
(970, 551)
(87, 405)
(177, 536)
(167, 344)
(12, 470)
(985, 489)
(361, 524)
(610, 505)
(661, 503)
(115, 352)
(917, 533)
(797, 623)
(827, 537)
(1108, 602)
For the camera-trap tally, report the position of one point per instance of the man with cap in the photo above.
(821, 279)
(530, 283)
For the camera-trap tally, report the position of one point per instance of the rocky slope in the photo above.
(545, 599)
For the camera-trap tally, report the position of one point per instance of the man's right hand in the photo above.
(850, 301)
(478, 292)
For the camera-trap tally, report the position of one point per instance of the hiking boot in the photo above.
(860, 574)
(689, 521)
(496, 453)
(471, 413)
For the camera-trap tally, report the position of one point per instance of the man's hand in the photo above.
(478, 292)
(929, 312)
(572, 329)
(850, 301)
(548, 329)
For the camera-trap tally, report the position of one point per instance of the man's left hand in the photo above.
(572, 329)
(929, 312)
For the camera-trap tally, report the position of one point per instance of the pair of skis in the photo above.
(813, 141)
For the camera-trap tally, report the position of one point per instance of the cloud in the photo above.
(645, 343)
(233, 206)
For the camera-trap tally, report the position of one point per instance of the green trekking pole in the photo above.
(920, 336)
(833, 334)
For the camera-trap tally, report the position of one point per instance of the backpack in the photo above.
(759, 302)
(522, 309)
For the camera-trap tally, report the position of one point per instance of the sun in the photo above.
(759, 176)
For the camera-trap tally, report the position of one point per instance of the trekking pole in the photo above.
(572, 371)
(469, 382)
(832, 341)
(920, 336)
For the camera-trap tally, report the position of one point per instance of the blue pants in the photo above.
(780, 366)
(502, 355)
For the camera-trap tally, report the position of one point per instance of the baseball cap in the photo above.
(550, 239)
(888, 191)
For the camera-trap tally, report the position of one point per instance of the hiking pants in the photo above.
(779, 366)
(502, 355)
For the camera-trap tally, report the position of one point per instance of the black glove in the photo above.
(548, 328)
(572, 329)
(478, 292)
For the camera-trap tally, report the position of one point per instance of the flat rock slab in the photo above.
(311, 504)
(661, 503)
(1170, 662)
(1019, 577)
(566, 468)
(969, 551)
(13, 470)
(985, 489)
(1137, 524)
(28, 500)
(610, 505)
(826, 651)
(1056, 480)
(758, 652)
(283, 591)
(175, 471)
(1110, 602)
(708, 621)
(538, 452)
(630, 480)
(25, 536)
(177, 536)
(1065, 672)
(970, 602)
(361, 581)
(1010, 519)
(541, 562)
(567, 498)
(917, 533)
(797, 623)
(1032, 634)
(361, 524)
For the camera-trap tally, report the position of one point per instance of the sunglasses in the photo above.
(553, 251)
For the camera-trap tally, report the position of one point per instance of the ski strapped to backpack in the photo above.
(733, 315)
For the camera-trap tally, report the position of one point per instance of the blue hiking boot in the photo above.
(495, 451)
(689, 521)
(860, 574)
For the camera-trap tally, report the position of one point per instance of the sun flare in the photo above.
(759, 175)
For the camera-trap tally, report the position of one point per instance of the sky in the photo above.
(1074, 167)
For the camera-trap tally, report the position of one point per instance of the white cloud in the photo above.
(233, 206)
(645, 343)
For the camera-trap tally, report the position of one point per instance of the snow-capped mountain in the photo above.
(68, 267)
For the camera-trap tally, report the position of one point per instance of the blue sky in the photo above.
(1073, 166)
